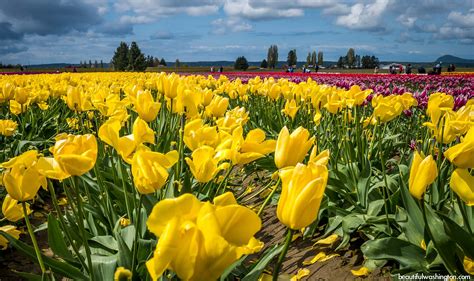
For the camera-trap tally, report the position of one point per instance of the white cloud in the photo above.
(126, 19)
(221, 26)
(364, 16)
(161, 8)
(406, 20)
(462, 20)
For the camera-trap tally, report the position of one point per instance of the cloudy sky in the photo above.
(52, 31)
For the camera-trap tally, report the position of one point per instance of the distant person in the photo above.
(221, 69)
(421, 70)
(212, 69)
(408, 69)
(453, 68)
(316, 68)
(437, 68)
(400, 69)
(303, 69)
(390, 69)
(376, 70)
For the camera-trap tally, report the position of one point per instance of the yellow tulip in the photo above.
(49, 167)
(468, 264)
(7, 92)
(146, 107)
(149, 169)
(200, 240)
(16, 108)
(196, 134)
(77, 100)
(217, 107)
(463, 184)
(126, 145)
(12, 210)
(21, 178)
(292, 149)
(142, 133)
(462, 154)
(8, 127)
(21, 95)
(423, 172)
(10, 229)
(355, 96)
(290, 109)
(122, 274)
(243, 151)
(321, 158)
(204, 164)
(438, 103)
(386, 111)
(75, 154)
(302, 191)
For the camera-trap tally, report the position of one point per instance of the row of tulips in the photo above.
(144, 173)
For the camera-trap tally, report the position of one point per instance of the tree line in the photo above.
(131, 58)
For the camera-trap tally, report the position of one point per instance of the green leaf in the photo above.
(267, 257)
(231, 268)
(412, 208)
(104, 267)
(410, 257)
(56, 239)
(463, 238)
(444, 244)
(124, 253)
(29, 276)
(106, 242)
(58, 267)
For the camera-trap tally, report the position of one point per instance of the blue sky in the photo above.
(53, 31)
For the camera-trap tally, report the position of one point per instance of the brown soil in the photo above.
(12, 260)
(337, 268)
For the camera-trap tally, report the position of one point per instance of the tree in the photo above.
(340, 62)
(162, 62)
(101, 64)
(357, 61)
(292, 59)
(369, 61)
(96, 64)
(241, 63)
(272, 56)
(308, 59)
(350, 57)
(264, 64)
(320, 58)
(314, 60)
(177, 63)
(120, 59)
(90, 64)
(136, 59)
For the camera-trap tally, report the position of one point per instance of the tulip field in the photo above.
(155, 176)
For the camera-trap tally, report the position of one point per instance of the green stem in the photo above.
(124, 187)
(82, 229)
(276, 270)
(137, 232)
(63, 225)
(464, 215)
(268, 198)
(33, 238)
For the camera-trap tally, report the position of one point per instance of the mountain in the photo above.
(447, 59)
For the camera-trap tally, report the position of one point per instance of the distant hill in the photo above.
(447, 59)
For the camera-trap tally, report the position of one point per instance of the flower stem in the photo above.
(269, 197)
(33, 238)
(276, 270)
